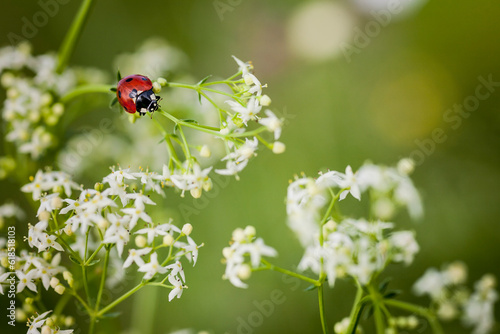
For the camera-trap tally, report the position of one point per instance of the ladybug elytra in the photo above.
(135, 94)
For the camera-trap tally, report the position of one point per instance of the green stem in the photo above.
(290, 273)
(103, 279)
(93, 255)
(322, 309)
(187, 151)
(120, 299)
(422, 311)
(73, 35)
(84, 269)
(80, 299)
(356, 310)
(377, 312)
(87, 89)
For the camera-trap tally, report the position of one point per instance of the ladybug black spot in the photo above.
(144, 79)
(133, 93)
(119, 94)
(129, 79)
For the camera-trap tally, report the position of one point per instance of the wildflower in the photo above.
(135, 256)
(152, 267)
(272, 123)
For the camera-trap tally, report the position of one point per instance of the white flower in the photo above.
(349, 181)
(190, 249)
(26, 280)
(37, 323)
(272, 123)
(406, 246)
(117, 233)
(152, 267)
(134, 255)
(46, 203)
(136, 214)
(232, 167)
(151, 232)
(176, 269)
(478, 310)
(431, 283)
(177, 290)
(246, 112)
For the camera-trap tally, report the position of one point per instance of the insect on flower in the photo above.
(135, 94)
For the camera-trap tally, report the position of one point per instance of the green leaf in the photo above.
(113, 102)
(111, 315)
(311, 287)
(91, 263)
(368, 313)
(176, 126)
(384, 284)
(113, 89)
(118, 75)
(74, 260)
(190, 121)
(199, 97)
(162, 140)
(202, 81)
(391, 294)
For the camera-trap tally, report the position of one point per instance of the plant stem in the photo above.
(209, 130)
(82, 90)
(93, 255)
(120, 299)
(103, 279)
(322, 309)
(73, 35)
(422, 311)
(290, 273)
(356, 310)
(377, 302)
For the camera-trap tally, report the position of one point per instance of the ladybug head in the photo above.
(147, 101)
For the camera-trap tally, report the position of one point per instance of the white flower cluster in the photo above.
(389, 188)
(32, 269)
(109, 213)
(43, 325)
(352, 247)
(454, 300)
(359, 249)
(31, 108)
(10, 210)
(243, 255)
(246, 109)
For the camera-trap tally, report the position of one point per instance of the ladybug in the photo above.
(135, 94)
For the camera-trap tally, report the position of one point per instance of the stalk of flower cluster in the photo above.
(73, 35)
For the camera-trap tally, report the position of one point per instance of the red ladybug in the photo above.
(135, 94)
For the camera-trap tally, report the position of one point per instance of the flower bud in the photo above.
(238, 235)
(141, 241)
(244, 271)
(187, 229)
(21, 315)
(205, 151)
(29, 300)
(195, 192)
(98, 186)
(278, 147)
(54, 282)
(412, 322)
(69, 321)
(44, 215)
(68, 230)
(162, 81)
(265, 100)
(456, 272)
(168, 240)
(68, 277)
(156, 87)
(227, 252)
(59, 289)
(103, 224)
(406, 166)
(57, 202)
(47, 256)
(58, 109)
(46, 330)
(250, 231)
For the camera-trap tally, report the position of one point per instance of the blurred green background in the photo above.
(376, 105)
